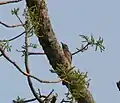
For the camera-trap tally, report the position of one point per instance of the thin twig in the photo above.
(6, 57)
(20, 21)
(48, 95)
(43, 81)
(7, 2)
(30, 53)
(16, 37)
(25, 101)
(35, 53)
(10, 26)
(20, 35)
(80, 50)
(24, 73)
(29, 100)
(27, 65)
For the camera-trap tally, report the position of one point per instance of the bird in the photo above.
(67, 53)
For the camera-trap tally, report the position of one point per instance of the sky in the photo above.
(69, 18)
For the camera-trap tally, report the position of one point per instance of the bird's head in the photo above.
(64, 46)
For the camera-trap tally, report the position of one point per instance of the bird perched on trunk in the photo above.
(67, 53)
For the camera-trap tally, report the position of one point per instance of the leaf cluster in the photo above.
(5, 45)
(15, 11)
(93, 42)
(75, 81)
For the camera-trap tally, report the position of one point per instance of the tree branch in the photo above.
(48, 95)
(6, 57)
(8, 2)
(10, 26)
(24, 73)
(27, 65)
(42, 26)
(36, 53)
(82, 49)
(29, 100)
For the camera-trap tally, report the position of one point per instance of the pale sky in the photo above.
(69, 19)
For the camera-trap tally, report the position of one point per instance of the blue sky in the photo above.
(69, 19)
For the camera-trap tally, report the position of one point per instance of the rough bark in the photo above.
(46, 36)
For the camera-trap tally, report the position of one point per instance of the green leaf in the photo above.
(92, 40)
(85, 37)
(15, 11)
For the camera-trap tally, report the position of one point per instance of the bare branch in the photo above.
(80, 50)
(27, 65)
(29, 100)
(16, 37)
(10, 26)
(3, 53)
(43, 81)
(20, 35)
(7, 2)
(25, 101)
(30, 53)
(48, 95)
(35, 53)
(24, 73)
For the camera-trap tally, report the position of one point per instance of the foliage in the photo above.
(75, 81)
(5, 45)
(15, 11)
(93, 42)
